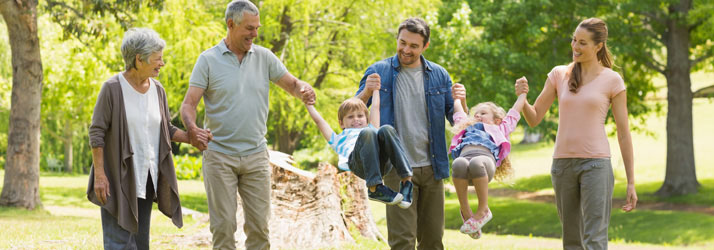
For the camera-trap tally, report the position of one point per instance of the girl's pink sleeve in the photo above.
(459, 117)
(509, 122)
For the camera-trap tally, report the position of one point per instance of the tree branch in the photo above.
(52, 133)
(703, 57)
(696, 24)
(51, 4)
(652, 16)
(652, 64)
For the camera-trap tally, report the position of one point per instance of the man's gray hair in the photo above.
(236, 9)
(142, 42)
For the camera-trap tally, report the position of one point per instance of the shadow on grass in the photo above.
(645, 192)
(65, 197)
(512, 216)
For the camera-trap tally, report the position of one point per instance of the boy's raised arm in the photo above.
(325, 128)
(374, 109)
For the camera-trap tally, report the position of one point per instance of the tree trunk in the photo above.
(308, 210)
(67, 146)
(21, 184)
(681, 177)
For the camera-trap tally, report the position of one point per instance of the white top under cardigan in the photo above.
(144, 121)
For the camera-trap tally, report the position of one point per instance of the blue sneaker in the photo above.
(405, 188)
(385, 195)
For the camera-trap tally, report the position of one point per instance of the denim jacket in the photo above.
(439, 103)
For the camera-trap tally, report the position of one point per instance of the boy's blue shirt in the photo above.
(440, 105)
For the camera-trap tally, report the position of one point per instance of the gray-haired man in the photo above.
(233, 78)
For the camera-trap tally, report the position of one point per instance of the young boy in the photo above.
(365, 150)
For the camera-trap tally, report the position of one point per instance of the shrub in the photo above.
(187, 167)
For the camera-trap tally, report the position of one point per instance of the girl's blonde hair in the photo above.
(505, 170)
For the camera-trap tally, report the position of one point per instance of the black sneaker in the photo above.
(385, 195)
(405, 189)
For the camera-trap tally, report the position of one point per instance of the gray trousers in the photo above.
(116, 237)
(423, 221)
(583, 196)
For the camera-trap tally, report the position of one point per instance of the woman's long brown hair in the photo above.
(598, 28)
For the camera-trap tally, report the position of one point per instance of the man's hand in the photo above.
(374, 82)
(199, 138)
(521, 86)
(308, 94)
(101, 187)
(458, 91)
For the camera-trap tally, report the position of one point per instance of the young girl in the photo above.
(479, 149)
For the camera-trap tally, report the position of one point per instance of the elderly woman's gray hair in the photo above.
(142, 42)
(236, 9)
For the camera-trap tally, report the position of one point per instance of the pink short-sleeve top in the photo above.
(581, 127)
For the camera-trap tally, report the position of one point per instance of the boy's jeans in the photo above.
(373, 150)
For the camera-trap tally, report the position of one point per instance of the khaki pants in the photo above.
(583, 196)
(423, 221)
(223, 176)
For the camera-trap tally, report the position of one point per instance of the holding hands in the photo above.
(199, 138)
(373, 82)
(458, 92)
(521, 86)
(307, 94)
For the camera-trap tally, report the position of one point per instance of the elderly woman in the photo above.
(131, 152)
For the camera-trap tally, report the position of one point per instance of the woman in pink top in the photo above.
(581, 172)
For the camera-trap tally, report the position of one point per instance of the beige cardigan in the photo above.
(109, 130)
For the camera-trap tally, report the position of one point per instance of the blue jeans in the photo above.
(373, 152)
(116, 237)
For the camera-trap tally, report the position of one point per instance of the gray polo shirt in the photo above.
(236, 96)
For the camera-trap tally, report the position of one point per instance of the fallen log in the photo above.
(309, 210)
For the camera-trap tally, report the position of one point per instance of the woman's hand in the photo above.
(631, 198)
(101, 187)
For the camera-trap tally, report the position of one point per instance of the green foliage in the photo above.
(310, 157)
(187, 167)
(490, 48)
(72, 78)
(187, 32)
(81, 19)
(329, 45)
(5, 90)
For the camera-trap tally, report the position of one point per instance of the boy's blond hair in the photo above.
(350, 105)
(505, 170)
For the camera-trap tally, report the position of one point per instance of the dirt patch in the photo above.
(547, 196)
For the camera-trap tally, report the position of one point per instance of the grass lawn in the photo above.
(69, 221)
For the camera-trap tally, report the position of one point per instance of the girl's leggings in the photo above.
(474, 162)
